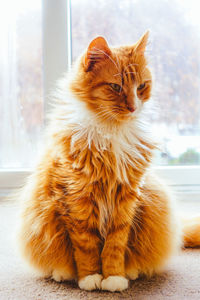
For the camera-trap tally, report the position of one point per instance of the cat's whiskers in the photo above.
(118, 111)
(107, 114)
(104, 113)
(117, 61)
(118, 74)
(103, 52)
(130, 73)
(119, 107)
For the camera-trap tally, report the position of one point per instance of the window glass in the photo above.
(21, 107)
(174, 55)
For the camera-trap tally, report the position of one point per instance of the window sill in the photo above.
(184, 180)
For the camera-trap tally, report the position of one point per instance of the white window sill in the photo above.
(185, 180)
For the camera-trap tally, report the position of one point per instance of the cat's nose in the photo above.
(130, 101)
(131, 108)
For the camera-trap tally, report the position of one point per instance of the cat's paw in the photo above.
(132, 274)
(61, 275)
(90, 282)
(114, 283)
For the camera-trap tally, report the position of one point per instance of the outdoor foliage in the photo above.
(190, 157)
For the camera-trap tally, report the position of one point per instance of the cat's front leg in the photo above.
(113, 254)
(87, 246)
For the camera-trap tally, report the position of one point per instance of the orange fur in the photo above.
(191, 232)
(94, 211)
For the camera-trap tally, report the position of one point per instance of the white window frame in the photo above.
(57, 55)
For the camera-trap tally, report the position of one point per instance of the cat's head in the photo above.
(113, 82)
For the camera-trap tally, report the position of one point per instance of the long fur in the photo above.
(93, 209)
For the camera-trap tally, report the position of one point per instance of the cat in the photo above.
(93, 209)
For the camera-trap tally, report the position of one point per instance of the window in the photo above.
(21, 109)
(174, 58)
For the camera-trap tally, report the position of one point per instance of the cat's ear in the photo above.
(97, 52)
(140, 46)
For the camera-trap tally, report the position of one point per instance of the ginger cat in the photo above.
(93, 209)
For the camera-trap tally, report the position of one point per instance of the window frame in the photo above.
(57, 56)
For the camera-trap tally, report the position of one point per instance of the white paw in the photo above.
(114, 283)
(59, 275)
(90, 282)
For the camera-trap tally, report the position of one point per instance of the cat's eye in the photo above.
(116, 87)
(141, 86)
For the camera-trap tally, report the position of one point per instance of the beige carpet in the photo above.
(180, 281)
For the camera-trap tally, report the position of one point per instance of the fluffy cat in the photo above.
(93, 209)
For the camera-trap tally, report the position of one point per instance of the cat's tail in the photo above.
(191, 232)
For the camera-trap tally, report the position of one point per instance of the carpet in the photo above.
(180, 281)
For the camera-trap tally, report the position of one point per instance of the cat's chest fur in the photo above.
(110, 152)
(110, 168)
